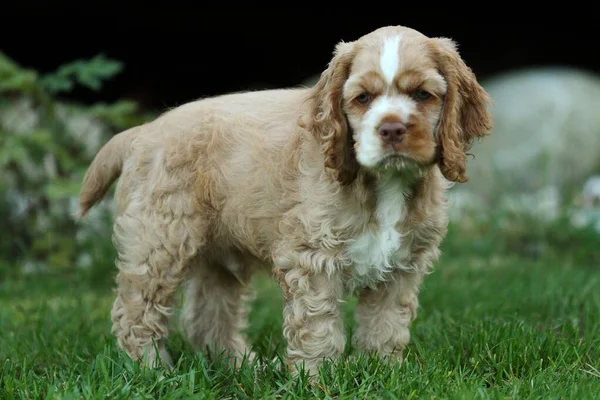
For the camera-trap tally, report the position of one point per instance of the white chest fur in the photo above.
(380, 250)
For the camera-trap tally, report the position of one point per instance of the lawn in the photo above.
(497, 320)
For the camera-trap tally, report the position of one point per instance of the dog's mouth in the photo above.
(397, 155)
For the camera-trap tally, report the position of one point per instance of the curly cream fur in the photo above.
(216, 189)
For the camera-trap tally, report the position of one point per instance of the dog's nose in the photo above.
(392, 132)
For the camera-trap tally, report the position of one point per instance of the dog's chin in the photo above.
(399, 164)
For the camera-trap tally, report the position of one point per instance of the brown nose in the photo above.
(391, 132)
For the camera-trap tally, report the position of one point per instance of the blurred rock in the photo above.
(546, 134)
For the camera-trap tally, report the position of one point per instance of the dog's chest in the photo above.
(380, 250)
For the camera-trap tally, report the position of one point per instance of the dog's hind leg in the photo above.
(154, 252)
(215, 310)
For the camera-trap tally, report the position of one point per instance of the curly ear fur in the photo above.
(464, 116)
(327, 120)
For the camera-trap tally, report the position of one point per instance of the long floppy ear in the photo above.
(465, 115)
(326, 119)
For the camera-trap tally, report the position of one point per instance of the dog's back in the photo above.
(228, 130)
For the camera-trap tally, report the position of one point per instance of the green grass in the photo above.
(495, 322)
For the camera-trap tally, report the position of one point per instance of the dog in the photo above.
(335, 189)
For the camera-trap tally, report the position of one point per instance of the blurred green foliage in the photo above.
(46, 145)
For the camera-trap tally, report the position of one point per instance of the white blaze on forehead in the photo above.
(390, 58)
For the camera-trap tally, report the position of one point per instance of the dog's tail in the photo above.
(105, 169)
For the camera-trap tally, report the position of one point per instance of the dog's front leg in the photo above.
(384, 315)
(312, 324)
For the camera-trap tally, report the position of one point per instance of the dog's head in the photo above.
(396, 98)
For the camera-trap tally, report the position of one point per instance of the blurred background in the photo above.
(84, 74)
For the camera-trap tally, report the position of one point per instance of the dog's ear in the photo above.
(465, 115)
(326, 119)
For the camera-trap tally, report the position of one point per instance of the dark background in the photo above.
(174, 54)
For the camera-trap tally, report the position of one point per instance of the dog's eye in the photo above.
(422, 94)
(363, 98)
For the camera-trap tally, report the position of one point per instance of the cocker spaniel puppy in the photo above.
(338, 188)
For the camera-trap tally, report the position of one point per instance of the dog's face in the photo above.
(396, 98)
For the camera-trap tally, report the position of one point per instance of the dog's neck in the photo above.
(370, 185)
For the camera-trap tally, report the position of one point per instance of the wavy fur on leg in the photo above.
(312, 325)
(149, 275)
(384, 316)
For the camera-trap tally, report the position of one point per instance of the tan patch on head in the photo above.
(413, 68)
